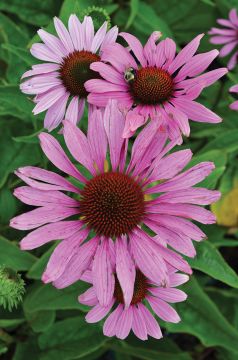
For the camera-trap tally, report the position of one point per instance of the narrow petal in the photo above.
(76, 32)
(36, 197)
(108, 72)
(196, 111)
(110, 37)
(56, 231)
(78, 264)
(124, 323)
(99, 37)
(52, 42)
(185, 54)
(103, 278)
(114, 122)
(147, 257)
(185, 180)
(63, 35)
(119, 57)
(51, 180)
(41, 216)
(77, 144)
(56, 112)
(135, 46)
(42, 52)
(97, 138)
(48, 99)
(73, 111)
(197, 196)
(89, 297)
(62, 255)
(110, 325)
(152, 326)
(88, 32)
(169, 295)
(125, 270)
(98, 313)
(178, 279)
(57, 156)
(163, 310)
(139, 325)
(226, 49)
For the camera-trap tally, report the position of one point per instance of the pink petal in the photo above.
(41, 69)
(168, 294)
(110, 37)
(204, 80)
(226, 49)
(76, 32)
(119, 57)
(196, 65)
(89, 297)
(196, 111)
(56, 112)
(150, 48)
(179, 117)
(101, 100)
(152, 326)
(197, 196)
(99, 37)
(147, 257)
(171, 165)
(48, 99)
(77, 144)
(124, 323)
(135, 46)
(185, 180)
(63, 35)
(88, 32)
(98, 313)
(53, 180)
(139, 325)
(226, 23)
(185, 54)
(42, 52)
(114, 122)
(56, 231)
(163, 310)
(53, 43)
(233, 17)
(133, 122)
(73, 110)
(234, 105)
(57, 156)
(178, 279)
(125, 270)
(102, 86)
(110, 325)
(103, 278)
(108, 72)
(97, 138)
(36, 197)
(78, 264)
(62, 255)
(41, 216)
(233, 61)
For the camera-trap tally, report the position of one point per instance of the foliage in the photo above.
(49, 324)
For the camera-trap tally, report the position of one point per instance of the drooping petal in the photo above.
(139, 325)
(135, 46)
(110, 325)
(125, 270)
(163, 310)
(124, 323)
(152, 326)
(98, 312)
(103, 277)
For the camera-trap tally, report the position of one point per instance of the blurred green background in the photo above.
(49, 324)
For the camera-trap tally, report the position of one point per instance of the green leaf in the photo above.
(40, 321)
(14, 155)
(28, 139)
(210, 261)
(27, 349)
(134, 8)
(46, 297)
(13, 257)
(71, 338)
(201, 318)
(227, 142)
(5, 323)
(147, 21)
(148, 354)
(7, 205)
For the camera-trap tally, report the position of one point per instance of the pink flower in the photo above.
(113, 205)
(136, 316)
(228, 37)
(234, 105)
(59, 82)
(152, 80)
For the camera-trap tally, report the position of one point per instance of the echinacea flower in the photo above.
(152, 80)
(113, 204)
(136, 317)
(234, 105)
(59, 82)
(228, 37)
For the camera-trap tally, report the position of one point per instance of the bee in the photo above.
(129, 74)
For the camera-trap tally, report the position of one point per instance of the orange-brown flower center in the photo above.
(112, 204)
(75, 71)
(151, 86)
(140, 289)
